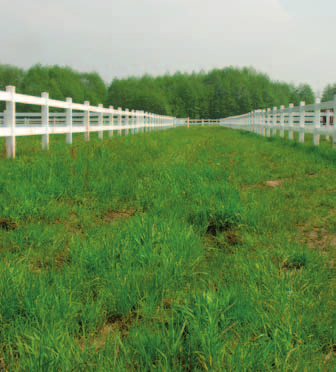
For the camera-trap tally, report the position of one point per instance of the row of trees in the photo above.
(59, 82)
(215, 94)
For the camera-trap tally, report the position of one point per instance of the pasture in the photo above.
(200, 249)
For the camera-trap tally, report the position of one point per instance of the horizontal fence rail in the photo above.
(317, 118)
(204, 122)
(76, 118)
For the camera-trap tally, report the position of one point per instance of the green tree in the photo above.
(10, 75)
(329, 92)
(306, 94)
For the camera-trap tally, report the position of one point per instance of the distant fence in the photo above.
(203, 121)
(76, 118)
(317, 118)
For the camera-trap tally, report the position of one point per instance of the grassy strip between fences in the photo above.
(200, 249)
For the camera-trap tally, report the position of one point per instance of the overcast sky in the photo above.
(290, 40)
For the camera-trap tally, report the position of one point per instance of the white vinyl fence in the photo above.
(203, 122)
(76, 118)
(317, 118)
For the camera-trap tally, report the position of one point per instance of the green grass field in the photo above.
(168, 251)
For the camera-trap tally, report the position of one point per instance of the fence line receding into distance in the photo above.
(316, 118)
(76, 118)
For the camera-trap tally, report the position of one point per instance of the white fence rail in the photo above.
(203, 122)
(76, 118)
(317, 118)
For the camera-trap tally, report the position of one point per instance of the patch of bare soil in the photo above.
(226, 241)
(7, 224)
(331, 355)
(71, 225)
(274, 183)
(232, 238)
(115, 323)
(319, 237)
(2, 365)
(57, 262)
(264, 185)
(111, 215)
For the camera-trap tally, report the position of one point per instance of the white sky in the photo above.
(290, 40)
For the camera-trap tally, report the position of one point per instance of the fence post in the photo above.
(268, 120)
(263, 121)
(100, 122)
(120, 120)
(274, 121)
(111, 117)
(302, 121)
(69, 121)
(126, 120)
(137, 120)
(334, 122)
(290, 122)
(133, 121)
(327, 123)
(45, 121)
(10, 122)
(282, 121)
(188, 122)
(250, 122)
(141, 122)
(317, 112)
(87, 121)
(257, 122)
(253, 120)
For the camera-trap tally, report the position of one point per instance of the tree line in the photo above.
(59, 82)
(215, 94)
